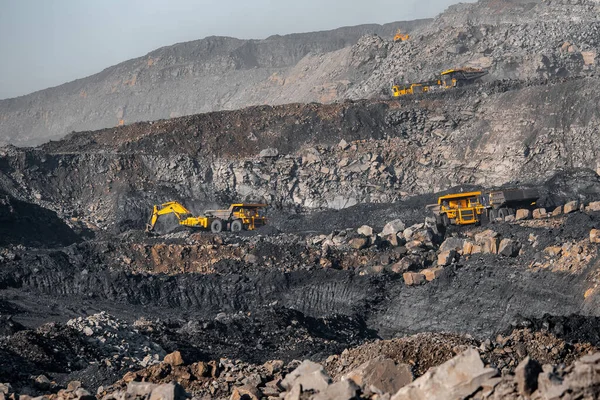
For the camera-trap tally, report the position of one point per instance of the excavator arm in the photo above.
(171, 207)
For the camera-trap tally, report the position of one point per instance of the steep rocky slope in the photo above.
(209, 74)
(290, 156)
(512, 39)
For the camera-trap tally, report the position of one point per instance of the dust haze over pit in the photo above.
(48, 43)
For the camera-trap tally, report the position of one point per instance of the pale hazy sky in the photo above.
(44, 43)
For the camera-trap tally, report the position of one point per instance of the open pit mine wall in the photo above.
(291, 156)
(215, 73)
(511, 39)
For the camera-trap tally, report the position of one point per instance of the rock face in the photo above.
(215, 73)
(545, 40)
(112, 177)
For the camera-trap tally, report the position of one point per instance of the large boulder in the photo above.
(446, 257)
(593, 206)
(408, 232)
(452, 243)
(343, 390)
(382, 373)
(167, 391)
(539, 213)
(270, 152)
(526, 375)
(432, 273)
(174, 359)
(457, 378)
(557, 211)
(246, 392)
(471, 248)
(509, 248)
(393, 227)
(359, 243)
(522, 214)
(310, 375)
(365, 230)
(581, 381)
(571, 206)
(413, 278)
(488, 240)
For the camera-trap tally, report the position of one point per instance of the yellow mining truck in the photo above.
(459, 209)
(470, 207)
(446, 80)
(248, 216)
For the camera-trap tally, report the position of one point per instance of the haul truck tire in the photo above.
(502, 213)
(236, 226)
(445, 220)
(216, 226)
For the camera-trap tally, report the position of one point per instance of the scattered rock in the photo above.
(246, 392)
(571, 206)
(526, 375)
(446, 257)
(309, 375)
(268, 153)
(455, 379)
(523, 214)
(393, 227)
(413, 278)
(382, 373)
(365, 230)
(174, 359)
(509, 248)
(595, 236)
(359, 243)
(343, 390)
(539, 213)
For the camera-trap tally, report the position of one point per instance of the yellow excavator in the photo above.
(448, 79)
(237, 217)
(400, 37)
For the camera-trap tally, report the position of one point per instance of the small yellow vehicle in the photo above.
(237, 217)
(460, 209)
(400, 37)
